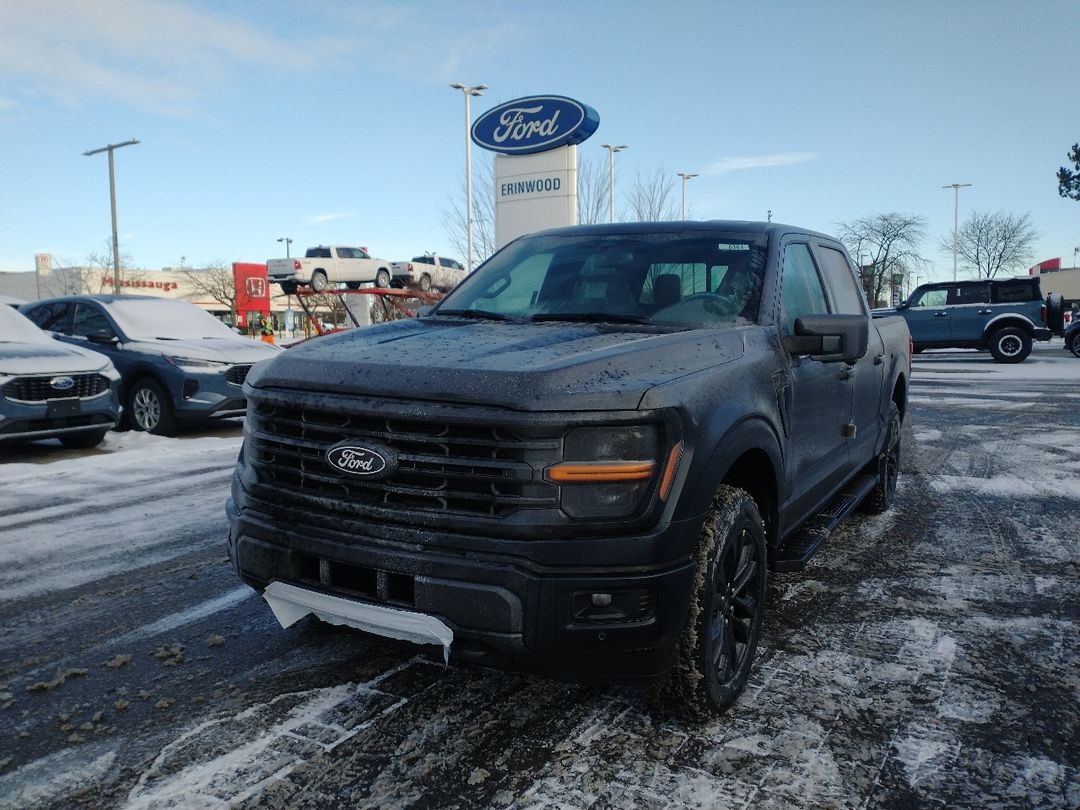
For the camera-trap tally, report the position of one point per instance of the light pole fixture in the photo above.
(612, 149)
(112, 147)
(287, 242)
(955, 219)
(685, 176)
(469, 92)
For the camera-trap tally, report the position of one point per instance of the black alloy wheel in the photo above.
(886, 466)
(1074, 343)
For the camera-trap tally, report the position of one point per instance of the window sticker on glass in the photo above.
(733, 246)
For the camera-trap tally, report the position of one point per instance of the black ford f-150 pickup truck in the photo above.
(585, 459)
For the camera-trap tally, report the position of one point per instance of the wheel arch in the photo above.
(1006, 320)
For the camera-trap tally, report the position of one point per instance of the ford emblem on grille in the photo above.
(62, 383)
(356, 459)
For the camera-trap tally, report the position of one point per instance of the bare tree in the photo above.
(215, 282)
(890, 242)
(594, 195)
(994, 243)
(455, 222)
(652, 197)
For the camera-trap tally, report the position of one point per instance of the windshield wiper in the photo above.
(591, 317)
(483, 314)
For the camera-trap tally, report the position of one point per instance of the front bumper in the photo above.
(24, 421)
(499, 605)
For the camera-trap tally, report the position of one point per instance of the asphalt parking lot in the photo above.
(927, 657)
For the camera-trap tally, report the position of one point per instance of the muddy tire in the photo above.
(1010, 345)
(717, 645)
(319, 282)
(382, 279)
(886, 467)
(150, 409)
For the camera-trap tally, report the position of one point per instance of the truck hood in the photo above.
(222, 350)
(51, 357)
(520, 366)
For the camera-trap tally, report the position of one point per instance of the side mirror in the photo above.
(903, 305)
(830, 338)
(424, 310)
(103, 338)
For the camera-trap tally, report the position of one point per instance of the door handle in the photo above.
(879, 359)
(941, 314)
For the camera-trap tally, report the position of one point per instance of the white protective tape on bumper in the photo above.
(290, 604)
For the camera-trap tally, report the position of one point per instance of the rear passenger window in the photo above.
(52, 317)
(1007, 293)
(970, 294)
(89, 321)
(846, 291)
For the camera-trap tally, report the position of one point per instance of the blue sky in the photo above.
(332, 122)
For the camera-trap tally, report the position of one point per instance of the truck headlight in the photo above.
(606, 471)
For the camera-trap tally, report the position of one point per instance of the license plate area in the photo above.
(59, 408)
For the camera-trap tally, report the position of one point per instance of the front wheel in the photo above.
(1010, 345)
(1074, 344)
(382, 279)
(425, 283)
(717, 645)
(318, 281)
(150, 409)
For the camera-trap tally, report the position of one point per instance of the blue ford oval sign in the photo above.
(534, 124)
(356, 459)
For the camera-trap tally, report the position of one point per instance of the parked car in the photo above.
(323, 266)
(11, 301)
(1004, 316)
(177, 363)
(428, 271)
(52, 390)
(1072, 337)
(584, 458)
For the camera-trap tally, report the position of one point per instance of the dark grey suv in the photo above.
(177, 362)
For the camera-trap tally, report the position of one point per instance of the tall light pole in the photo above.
(685, 176)
(955, 219)
(287, 242)
(611, 150)
(112, 147)
(469, 92)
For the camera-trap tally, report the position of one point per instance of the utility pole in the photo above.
(685, 176)
(469, 92)
(611, 174)
(955, 219)
(287, 242)
(112, 147)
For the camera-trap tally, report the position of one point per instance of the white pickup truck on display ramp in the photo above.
(323, 266)
(428, 271)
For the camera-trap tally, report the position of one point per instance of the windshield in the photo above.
(17, 328)
(689, 278)
(164, 318)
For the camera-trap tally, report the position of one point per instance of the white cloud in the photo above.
(318, 218)
(157, 55)
(734, 164)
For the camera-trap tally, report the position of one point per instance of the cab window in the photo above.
(930, 298)
(802, 291)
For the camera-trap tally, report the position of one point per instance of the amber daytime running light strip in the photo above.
(608, 471)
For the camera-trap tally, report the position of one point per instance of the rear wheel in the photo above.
(425, 283)
(318, 281)
(382, 279)
(716, 649)
(886, 467)
(84, 439)
(150, 408)
(1010, 345)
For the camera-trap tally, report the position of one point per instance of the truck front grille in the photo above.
(442, 466)
(41, 388)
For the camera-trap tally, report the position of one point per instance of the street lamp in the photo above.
(955, 219)
(685, 176)
(287, 242)
(611, 170)
(112, 147)
(469, 92)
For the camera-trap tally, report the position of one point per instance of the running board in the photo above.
(797, 551)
